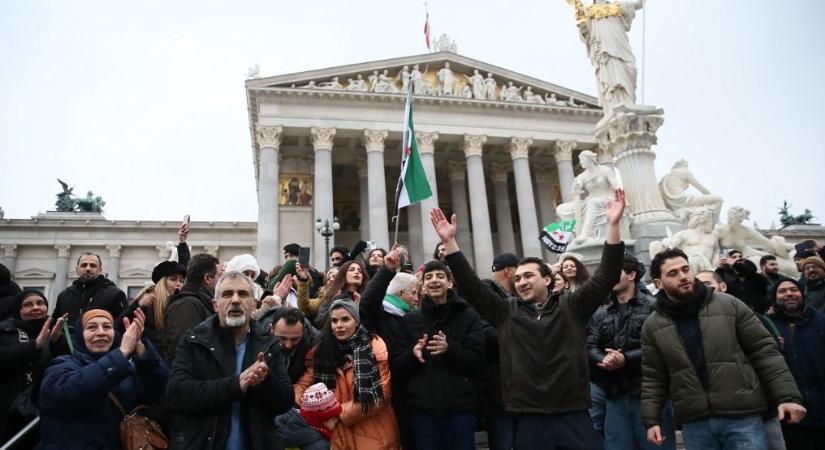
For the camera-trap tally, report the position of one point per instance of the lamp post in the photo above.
(327, 230)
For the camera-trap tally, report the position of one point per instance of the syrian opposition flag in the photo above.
(557, 235)
(413, 184)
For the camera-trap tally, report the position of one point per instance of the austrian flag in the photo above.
(414, 185)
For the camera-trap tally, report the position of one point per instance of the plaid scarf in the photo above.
(367, 381)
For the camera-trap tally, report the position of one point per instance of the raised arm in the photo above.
(488, 304)
(373, 298)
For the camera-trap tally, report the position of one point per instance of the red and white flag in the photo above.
(427, 28)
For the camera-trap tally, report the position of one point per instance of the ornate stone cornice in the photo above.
(426, 141)
(520, 147)
(457, 170)
(631, 132)
(500, 172)
(322, 138)
(63, 250)
(563, 151)
(114, 250)
(268, 135)
(9, 250)
(474, 145)
(543, 173)
(374, 140)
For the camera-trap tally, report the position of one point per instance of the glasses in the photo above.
(808, 267)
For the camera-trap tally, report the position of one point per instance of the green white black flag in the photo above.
(557, 235)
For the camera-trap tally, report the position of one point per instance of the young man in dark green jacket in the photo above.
(711, 356)
(543, 354)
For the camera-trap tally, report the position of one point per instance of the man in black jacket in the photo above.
(296, 335)
(615, 351)
(227, 384)
(91, 290)
(543, 353)
(444, 349)
(193, 304)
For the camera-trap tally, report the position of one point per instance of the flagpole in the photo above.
(404, 139)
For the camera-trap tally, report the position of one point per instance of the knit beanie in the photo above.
(814, 260)
(349, 305)
(242, 263)
(320, 404)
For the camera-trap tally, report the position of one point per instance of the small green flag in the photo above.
(557, 235)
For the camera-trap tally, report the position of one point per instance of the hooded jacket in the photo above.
(81, 296)
(543, 351)
(442, 383)
(736, 358)
(184, 311)
(203, 386)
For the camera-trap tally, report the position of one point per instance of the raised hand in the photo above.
(445, 230)
(302, 272)
(183, 232)
(131, 338)
(392, 260)
(418, 349)
(43, 337)
(616, 209)
(282, 288)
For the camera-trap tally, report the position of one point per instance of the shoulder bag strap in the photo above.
(117, 403)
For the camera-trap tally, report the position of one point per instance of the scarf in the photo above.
(394, 305)
(685, 308)
(316, 425)
(367, 381)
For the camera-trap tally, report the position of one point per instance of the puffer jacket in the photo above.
(739, 355)
(101, 293)
(296, 432)
(619, 329)
(543, 351)
(374, 431)
(184, 310)
(804, 346)
(442, 383)
(203, 387)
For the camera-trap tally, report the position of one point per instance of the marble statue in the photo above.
(332, 84)
(385, 83)
(603, 27)
(735, 235)
(511, 93)
(592, 195)
(490, 87)
(674, 186)
(404, 76)
(310, 85)
(699, 240)
(552, 100)
(358, 84)
(477, 82)
(466, 92)
(419, 84)
(446, 80)
(373, 80)
(530, 97)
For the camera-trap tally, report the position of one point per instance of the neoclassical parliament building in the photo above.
(499, 148)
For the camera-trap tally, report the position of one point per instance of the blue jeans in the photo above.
(501, 432)
(598, 401)
(445, 432)
(569, 431)
(624, 430)
(725, 433)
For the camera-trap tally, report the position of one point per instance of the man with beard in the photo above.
(91, 290)
(542, 338)
(803, 335)
(770, 270)
(227, 383)
(616, 361)
(711, 355)
(813, 270)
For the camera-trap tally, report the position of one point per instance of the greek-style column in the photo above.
(322, 143)
(504, 221)
(563, 152)
(482, 236)
(426, 148)
(113, 269)
(457, 171)
(519, 151)
(364, 195)
(544, 191)
(269, 143)
(10, 257)
(61, 272)
(374, 144)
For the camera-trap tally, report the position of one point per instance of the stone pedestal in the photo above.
(629, 135)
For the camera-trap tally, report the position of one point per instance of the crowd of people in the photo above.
(378, 353)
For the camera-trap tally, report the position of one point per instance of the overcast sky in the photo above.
(144, 102)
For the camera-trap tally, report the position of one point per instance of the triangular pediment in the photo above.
(386, 77)
(33, 274)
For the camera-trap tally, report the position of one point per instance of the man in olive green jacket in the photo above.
(709, 353)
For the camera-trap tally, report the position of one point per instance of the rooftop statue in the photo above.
(332, 84)
(603, 27)
(91, 203)
(65, 202)
(674, 186)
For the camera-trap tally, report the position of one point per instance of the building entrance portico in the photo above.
(325, 148)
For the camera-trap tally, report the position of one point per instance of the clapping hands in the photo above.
(254, 374)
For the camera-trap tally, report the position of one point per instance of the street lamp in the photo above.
(327, 231)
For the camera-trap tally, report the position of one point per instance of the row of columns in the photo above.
(373, 193)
